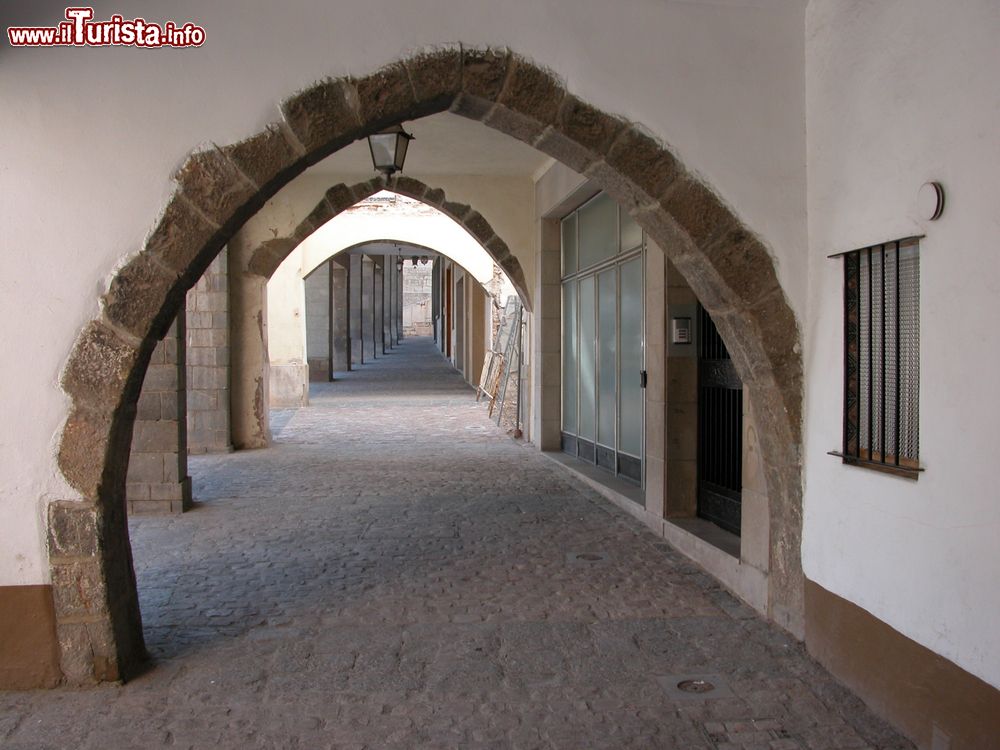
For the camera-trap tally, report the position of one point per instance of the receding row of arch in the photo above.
(727, 266)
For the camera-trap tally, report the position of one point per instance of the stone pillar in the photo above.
(248, 348)
(547, 341)
(399, 305)
(316, 290)
(208, 360)
(436, 300)
(368, 308)
(355, 283)
(388, 308)
(340, 306)
(378, 304)
(480, 301)
(157, 480)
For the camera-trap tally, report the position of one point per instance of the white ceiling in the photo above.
(445, 144)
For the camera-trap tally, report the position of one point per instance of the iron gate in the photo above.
(720, 430)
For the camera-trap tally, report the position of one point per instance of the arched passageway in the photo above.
(727, 266)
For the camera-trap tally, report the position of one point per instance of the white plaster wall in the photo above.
(91, 137)
(900, 92)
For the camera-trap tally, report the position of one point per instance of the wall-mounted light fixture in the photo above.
(388, 149)
(399, 264)
(930, 201)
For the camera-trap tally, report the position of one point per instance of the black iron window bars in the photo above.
(882, 357)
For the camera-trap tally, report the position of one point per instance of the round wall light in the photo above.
(930, 201)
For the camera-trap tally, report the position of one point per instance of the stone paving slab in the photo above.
(397, 573)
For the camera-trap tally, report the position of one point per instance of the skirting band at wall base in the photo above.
(29, 652)
(932, 700)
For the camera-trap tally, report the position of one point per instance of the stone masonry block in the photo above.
(639, 158)
(160, 378)
(744, 265)
(148, 406)
(73, 529)
(340, 197)
(484, 71)
(214, 184)
(386, 97)
(532, 91)
(699, 211)
(78, 589)
(263, 156)
(476, 224)
(323, 117)
(436, 77)
(587, 126)
(135, 299)
(155, 437)
(100, 367)
(181, 235)
(145, 468)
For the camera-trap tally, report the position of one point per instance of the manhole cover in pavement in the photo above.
(695, 686)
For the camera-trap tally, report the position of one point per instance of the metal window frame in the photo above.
(854, 450)
(613, 263)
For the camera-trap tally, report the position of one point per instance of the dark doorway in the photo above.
(720, 430)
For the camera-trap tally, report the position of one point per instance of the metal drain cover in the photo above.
(584, 558)
(695, 687)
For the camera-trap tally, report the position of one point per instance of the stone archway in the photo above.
(268, 256)
(728, 267)
(249, 392)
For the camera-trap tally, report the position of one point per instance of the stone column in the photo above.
(157, 480)
(248, 348)
(399, 305)
(368, 308)
(208, 360)
(316, 290)
(436, 300)
(389, 284)
(355, 283)
(340, 305)
(378, 304)
(546, 376)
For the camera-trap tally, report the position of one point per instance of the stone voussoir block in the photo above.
(498, 250)
(436, 76)
(100, 366)
(434, 197)
(340, 197)
(323, 117)
(564, 150)
(484, 70)
(457, 211)
(144, 297)
(82, 451)
(644, 161)
(408, 186)
(523, 127)
(181, 235)
(697, 210)
(386, 97)
(214, 185)
(264, 155)
(532, 91)
(744, 265)
(74, 528)
(477, 225)
(587, 126)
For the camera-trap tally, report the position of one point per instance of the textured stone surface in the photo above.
(214, 185)
(323, 117)
(436, 77)
(638, 157)
(99, 367)
(263, 156)
(131, 301)
(397, 573)
(385, 97)
(181, 235)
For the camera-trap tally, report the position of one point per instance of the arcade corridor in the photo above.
(397, 573)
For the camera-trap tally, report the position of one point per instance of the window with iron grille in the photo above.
(882, 357)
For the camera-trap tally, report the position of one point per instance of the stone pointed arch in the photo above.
(340, 197)
(727, 266)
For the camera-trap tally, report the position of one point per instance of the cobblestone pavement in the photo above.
(397, 573)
